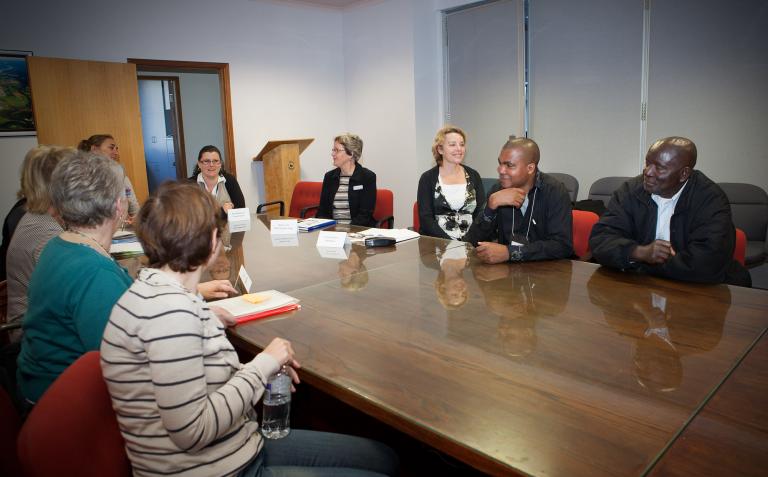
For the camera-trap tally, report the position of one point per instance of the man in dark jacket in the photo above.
(672, 221)
(527, 215)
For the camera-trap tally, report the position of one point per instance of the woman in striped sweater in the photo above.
(184, 402)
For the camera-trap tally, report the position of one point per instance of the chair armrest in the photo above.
(303, 212)
(390, 221)
(4, 327)
(274, 202)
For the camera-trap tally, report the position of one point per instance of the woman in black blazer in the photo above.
(209, 175)
(451, 194)
(349, 191)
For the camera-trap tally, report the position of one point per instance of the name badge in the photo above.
(357, 187)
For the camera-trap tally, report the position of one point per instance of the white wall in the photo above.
(286, 63)
(709, 81)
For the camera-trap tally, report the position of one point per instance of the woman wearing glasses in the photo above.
(349, 191)
(213, 179)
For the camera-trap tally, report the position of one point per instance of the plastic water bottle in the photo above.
(276, 416)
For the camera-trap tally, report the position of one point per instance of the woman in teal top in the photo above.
(76, 282)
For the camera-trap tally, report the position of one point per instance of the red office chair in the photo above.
(416, 217)
(304, 201)
(9, 431)
(740, 249)
(383, 214)
(582, 227)
(72, 430)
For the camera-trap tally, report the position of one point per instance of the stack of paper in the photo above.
(313, 223)
(254, 306)
(125, 245)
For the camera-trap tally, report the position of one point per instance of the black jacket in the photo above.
(429, 206)
(362, 195)
(701, 232)
(233, 188)
(550, 235)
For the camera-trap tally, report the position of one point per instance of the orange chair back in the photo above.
(416, 216)
(73, 430)
(384, 205)
(305, 194)
(740, 249)
(582, 227)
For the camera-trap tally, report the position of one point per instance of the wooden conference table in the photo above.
(549, 368)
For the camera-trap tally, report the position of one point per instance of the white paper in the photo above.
(239, 219)
(331, 239)
(291, 240)
(284, 226)
(333, 253)
(247, 282)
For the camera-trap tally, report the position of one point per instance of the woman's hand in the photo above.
(216, 289)
(282, 351)
(228, 206)
(226, 318)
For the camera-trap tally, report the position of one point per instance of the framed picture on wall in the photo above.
(16, 118)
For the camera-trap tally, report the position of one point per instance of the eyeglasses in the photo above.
(208, 162)
(337, 151)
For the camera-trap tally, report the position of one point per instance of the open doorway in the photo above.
(162, 129)
(205, 117)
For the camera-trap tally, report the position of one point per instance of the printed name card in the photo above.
(245, 279)
(331, 239)
(239, 219)
(284, 226)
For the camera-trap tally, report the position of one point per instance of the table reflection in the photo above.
(664, 327)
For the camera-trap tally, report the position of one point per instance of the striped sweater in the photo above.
(183, 400)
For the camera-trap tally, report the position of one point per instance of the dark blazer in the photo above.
(701, 232)
(429, 206)
(362, 195)
(233, 188)
(547, 222)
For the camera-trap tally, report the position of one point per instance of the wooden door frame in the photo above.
(181, 154)
(222, 69)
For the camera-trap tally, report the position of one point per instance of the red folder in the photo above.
(268, 313)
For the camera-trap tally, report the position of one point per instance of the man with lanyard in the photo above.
(527, 214)
(671, 221)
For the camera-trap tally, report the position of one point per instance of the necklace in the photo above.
(93, 240)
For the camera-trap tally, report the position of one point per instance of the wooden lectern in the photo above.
(281, 168)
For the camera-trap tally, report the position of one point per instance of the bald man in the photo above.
(527, 215)
(671, 221)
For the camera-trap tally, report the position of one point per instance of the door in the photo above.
(162, 129)
(74, 99)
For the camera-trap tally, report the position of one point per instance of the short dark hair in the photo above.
(175, 226)
(525, 144)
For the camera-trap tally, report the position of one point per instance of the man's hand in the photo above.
(216, 289)
(490, 252)
(513, 196)
(655, 253)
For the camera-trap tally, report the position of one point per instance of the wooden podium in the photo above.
(281, 168)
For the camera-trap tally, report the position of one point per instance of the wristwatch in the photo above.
(515, 253)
